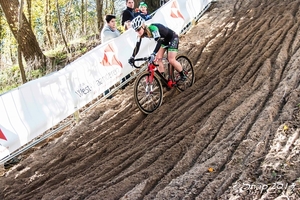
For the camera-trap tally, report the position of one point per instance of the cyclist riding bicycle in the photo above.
(164, 37)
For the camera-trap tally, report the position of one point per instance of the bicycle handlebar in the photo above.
(139, 59)
(142, 59)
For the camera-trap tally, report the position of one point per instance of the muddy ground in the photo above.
(233, 135)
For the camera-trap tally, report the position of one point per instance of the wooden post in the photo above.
(2, 169)
(76, 115)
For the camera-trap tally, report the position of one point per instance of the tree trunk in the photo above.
(112, 7)
(109, 7)
(21, 66)
(106, 11)
(29, 11)
(67, 14)
(82, 16)
(27, 40)
(86, 16)
(1, 30)
(99, 7)
(47, 24)
(61, 29)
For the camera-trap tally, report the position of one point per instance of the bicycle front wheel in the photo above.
(189, 72)
(148, 94)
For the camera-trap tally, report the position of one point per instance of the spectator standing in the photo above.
(128, 14)
(143, 12)
(109, 30)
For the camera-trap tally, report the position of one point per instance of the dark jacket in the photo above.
(128, 14)
(144, 16)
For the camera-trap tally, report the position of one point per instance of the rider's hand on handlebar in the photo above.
(131, 60)
(151, 57)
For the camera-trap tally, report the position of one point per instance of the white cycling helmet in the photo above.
(137, 22)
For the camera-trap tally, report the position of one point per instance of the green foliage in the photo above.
(34, 74)
(83, 50)
(9, 78)
(57, 53)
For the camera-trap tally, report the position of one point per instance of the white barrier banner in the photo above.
(31, 109)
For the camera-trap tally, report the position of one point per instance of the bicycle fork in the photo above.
(149, 83)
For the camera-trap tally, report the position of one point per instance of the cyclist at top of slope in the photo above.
(165, 38)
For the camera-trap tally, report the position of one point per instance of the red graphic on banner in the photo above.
(2, 136)
(175, 13)
(110, 57)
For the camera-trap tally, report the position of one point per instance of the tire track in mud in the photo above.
(240, 119)
(260, 68)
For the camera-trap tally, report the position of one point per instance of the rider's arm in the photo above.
(156, 35)
(137, 47)
(158, 45)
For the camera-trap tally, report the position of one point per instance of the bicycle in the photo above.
(148, 87)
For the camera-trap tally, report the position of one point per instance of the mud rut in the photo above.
(233, 135)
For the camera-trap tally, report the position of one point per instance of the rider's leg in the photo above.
(173, 61)
(159, 57)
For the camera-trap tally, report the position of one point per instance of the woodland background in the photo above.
(38, 37)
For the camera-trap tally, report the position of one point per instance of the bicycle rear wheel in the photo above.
(148, 94)
(189, 72)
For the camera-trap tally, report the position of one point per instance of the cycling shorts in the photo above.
(171, 45)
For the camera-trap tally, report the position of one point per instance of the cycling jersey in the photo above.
(164, 36)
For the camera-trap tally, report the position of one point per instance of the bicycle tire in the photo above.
(148, 101)
(189, 72)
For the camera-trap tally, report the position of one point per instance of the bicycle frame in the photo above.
(152, 69)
